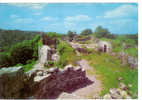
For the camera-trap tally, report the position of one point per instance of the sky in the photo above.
(118, 18)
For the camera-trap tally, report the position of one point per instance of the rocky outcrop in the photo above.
(67, 80)
(15, 84)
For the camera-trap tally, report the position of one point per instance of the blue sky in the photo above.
(119, 18)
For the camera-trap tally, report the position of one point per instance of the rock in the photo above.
(120, 78)
(50, 70)
(39, 73)
(107, 96)
(14, 83)
(69, 67)
(115, 94)
(112, 91)
(44, 54)
(133, 62)
(123, 94)
(55, 57)
(39, 78)
(128, 97)
(122, 85)
(130, 85)
(67, 80)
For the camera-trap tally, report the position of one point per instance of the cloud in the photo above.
(23, 20)
(70, 22)
(48, 18)
(36, 6)
(122, 11)
(78, 18)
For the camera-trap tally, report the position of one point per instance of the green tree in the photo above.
(86, 32)
(101, 32)
(71, 35)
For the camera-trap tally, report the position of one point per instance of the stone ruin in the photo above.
(104, 46)
(126, 59)
(15, 84)
(78, 38)
(49, 41)
(59, 81)
(48, 52)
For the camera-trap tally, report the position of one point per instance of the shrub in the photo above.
(67, 54)
(29, 66)
(4, 60)
(21, 53)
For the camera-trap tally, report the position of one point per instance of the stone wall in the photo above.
(67, 80)
(14, 83)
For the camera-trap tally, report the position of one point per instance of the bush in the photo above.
(20, 53)
(86, 32)
(67, 54)
(4, 60)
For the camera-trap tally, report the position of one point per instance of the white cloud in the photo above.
(31, 6)
(70, 22)
(48, 18)
(23, 20)
(78, 18)
(122, 11)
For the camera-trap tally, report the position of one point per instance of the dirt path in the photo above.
(89, 92)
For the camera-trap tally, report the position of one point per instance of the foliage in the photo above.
(121, 41)
(71, 35)
(29, 65)
(103, 32)
(86, 32)
(10, 37)
(20, 53)
(67, 54)
(4, 60)
(54, 34)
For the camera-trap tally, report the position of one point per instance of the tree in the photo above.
(86, 32)
(103, 32)
(71, 35)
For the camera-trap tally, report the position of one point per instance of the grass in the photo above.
(132, 52)
(109, 68)
(67, 54)
(29, 66)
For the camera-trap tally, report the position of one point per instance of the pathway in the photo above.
(89, 92)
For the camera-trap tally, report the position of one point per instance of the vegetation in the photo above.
(67, 54)
(71, 35)
(22, 50)
(103, 32)
(110, 70)
(20, 53)
(86, 32)
(10, 37)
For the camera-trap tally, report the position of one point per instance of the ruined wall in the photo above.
(14, 83)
